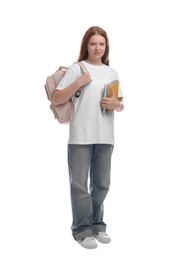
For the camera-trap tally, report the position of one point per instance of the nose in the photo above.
(97, 46)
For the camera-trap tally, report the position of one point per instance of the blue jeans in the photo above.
(89, 174)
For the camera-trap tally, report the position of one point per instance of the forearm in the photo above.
(62, 96)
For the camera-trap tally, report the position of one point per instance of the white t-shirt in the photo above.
(90, 125)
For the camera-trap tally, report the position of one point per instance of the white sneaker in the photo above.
(88, 242)
(102, 237)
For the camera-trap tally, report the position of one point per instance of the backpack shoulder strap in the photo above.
(83, 69)
(82, 66)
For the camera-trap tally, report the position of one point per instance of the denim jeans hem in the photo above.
(90, 232)
(98, 228)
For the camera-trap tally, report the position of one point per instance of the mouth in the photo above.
(97, 53)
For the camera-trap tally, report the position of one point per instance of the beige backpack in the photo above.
(64, 112)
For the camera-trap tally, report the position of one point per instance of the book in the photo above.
(109, 89)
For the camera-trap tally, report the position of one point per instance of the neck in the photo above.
(94, 62)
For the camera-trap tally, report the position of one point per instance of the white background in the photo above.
(36, 38)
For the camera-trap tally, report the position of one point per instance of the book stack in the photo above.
(109, 89)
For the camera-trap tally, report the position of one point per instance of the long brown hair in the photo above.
(88, 34)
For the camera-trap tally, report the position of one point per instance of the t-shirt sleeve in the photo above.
(69, 77)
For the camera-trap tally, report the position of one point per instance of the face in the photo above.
(96, 48)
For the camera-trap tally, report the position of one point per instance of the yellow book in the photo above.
(110, 88)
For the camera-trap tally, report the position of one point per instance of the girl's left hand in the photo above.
(110, 103)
